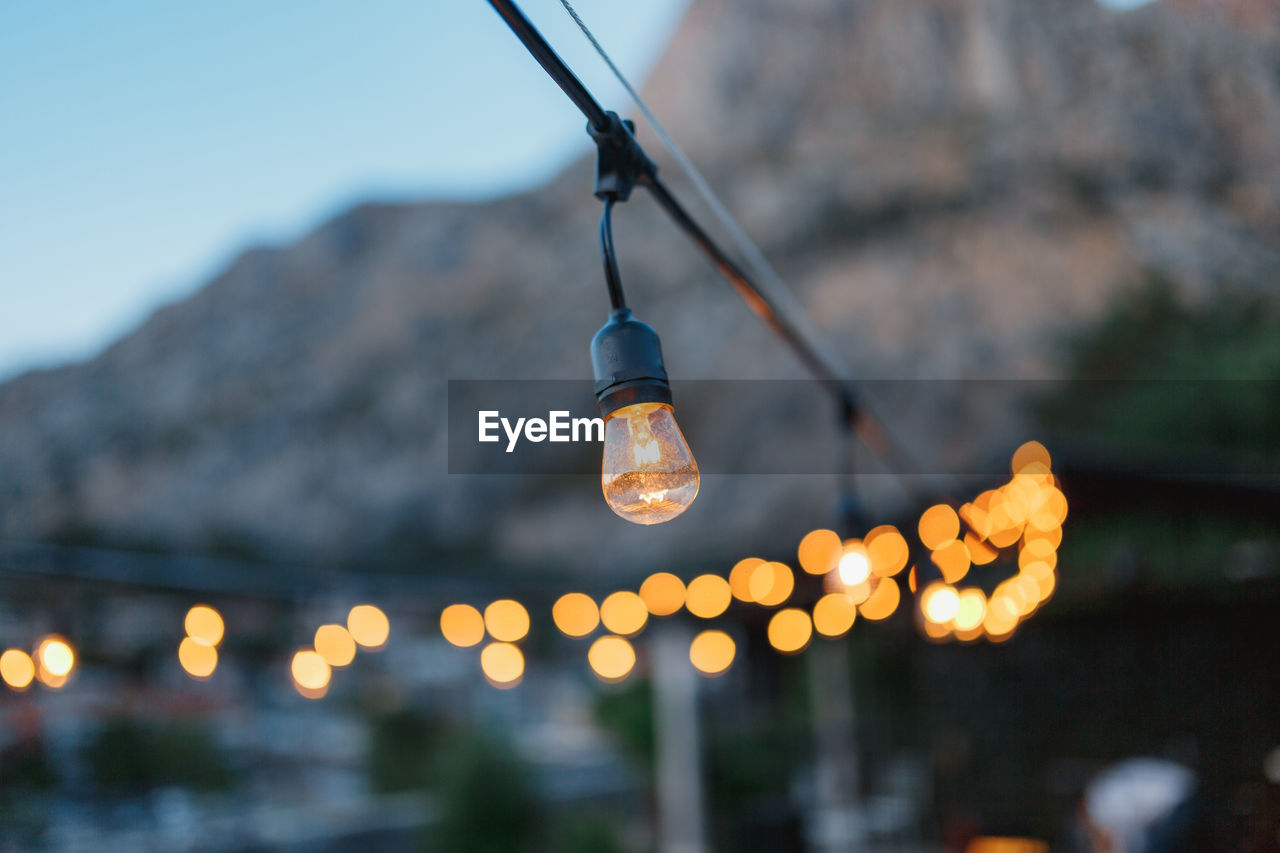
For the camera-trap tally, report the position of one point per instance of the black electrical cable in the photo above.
(552, 63)
(605, 131)
(611, 275)
(756, 301)
(599, 120)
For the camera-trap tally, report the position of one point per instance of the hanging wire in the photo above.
(611, 276)
(779, 292)
(782, 298)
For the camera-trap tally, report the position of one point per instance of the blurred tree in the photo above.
(189, 756)
(24, 764)
(1179, 387)
(117, 757)
(402, 745)
(627, 711)
(25, 776)
(592, 833)
(128, 756)
(1198, 375)
(485, 798)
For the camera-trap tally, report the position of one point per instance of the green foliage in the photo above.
(189, 756)
(744, 765)
(1152, 333)
(402, 746)
(1188, 547)
(25, 765)
(128, 756)
(627, 712)
(117, 757)
(1200, 376)
(485, 798)
(592, 833)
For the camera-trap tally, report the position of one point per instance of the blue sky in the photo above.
(145, 144)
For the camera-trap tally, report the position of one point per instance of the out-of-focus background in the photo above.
(245, 606)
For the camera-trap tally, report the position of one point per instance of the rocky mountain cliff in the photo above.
(949, 185)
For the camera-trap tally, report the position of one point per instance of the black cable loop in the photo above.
(629, 166)
(611, 275)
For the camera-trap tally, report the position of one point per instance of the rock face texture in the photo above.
(949, 185)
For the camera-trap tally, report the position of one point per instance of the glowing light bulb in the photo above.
(649, 476)
(853, 567)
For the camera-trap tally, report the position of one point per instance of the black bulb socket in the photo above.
(626, 358)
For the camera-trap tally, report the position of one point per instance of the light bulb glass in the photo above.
(649, 476)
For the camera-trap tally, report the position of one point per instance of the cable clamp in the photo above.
(620, 161)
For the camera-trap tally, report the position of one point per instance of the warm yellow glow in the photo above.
(1031, 452)
(854, 566)
(971, 609)
(887, 550)
(1001, 844)
(56, 656)
(986, 500)
(937, 630)
(882, 602)
(462, 625)
(1021, 591)
(663, 593)
(818, 551)
(952, 559)
(790, 630)
(834, 614)
(369, 626)
(1053, 535)
(711, 652)
(1029, 591)
(1053, 512)
(939, 524)
(1029, 493)
(940, 603)
(506, 620)
(998, 626)
(979, 551)
(198, 658)
(1015, 503)
(310, 670)
(1002, 611)
(1005, 530)
(708, 596)
(772, 583)
(1038, 551)
(857, 593)
(976, 517)
(203, 623)
(17, 669)
(611, 658)
(502, 664)
(575, 614)
(624, 613)
(761, 583)
(740, 578)
(648, 476)
(1037, 569)
(1043, 578)
(335, 645)
(48, 679)
(1055, 503)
